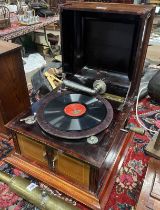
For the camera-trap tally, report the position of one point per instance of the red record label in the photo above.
(75, 110)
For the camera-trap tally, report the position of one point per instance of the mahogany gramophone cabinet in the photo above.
(80, 152)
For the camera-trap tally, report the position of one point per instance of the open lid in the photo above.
(101, 36)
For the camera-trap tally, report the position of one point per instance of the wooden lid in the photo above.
(106, 37)
(110, 7)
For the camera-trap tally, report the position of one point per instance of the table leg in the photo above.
(46, 38)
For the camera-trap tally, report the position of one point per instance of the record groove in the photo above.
(73, 115)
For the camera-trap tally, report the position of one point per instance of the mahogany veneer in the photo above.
(99, 41)
(41, 157)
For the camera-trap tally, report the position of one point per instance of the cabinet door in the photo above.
(31, 149)
(75, 170)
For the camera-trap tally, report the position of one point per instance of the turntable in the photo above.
(78, 142)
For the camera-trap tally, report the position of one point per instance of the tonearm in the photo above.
(99, 87)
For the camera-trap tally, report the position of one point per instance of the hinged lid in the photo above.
(105, 37)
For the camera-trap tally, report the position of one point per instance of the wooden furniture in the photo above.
(87, 174)
(112, 1)
(99, 41)
(55, 4)
(153, 147)
(150, 193)
(155, 2)
(14, 97)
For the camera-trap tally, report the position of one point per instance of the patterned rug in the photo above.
(5, 148)
(127, 187)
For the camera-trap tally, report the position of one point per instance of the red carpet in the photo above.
(126, 190)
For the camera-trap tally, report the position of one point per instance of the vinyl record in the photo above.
(73, 115)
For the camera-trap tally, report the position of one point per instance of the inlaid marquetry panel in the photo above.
(32, 149)
(72, 168)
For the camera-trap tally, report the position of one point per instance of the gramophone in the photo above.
(76, 142)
